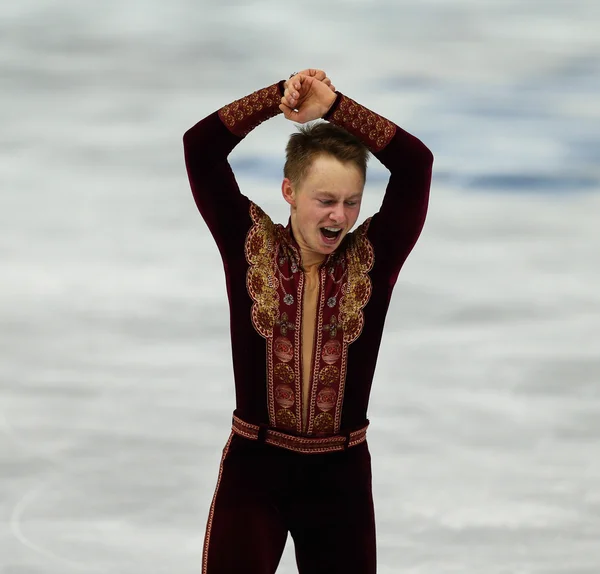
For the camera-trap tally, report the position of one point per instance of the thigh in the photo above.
(245, 531)
(334, 531)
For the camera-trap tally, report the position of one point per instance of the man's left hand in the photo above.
(308, 96)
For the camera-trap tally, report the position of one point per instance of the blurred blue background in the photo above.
(115, 377)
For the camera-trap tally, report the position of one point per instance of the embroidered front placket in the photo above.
(276, 285)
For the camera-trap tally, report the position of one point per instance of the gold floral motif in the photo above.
(260, 280)
(271, 258)
(332, 327)
(323, 423)
(284, 324)
(359, 120)
(267, 249)
(357, 290)
(284, 373)
(329, 375)
(243, 115)
(286, 419)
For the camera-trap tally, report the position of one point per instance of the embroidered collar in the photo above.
(329, 260)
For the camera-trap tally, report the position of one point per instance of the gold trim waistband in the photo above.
(302, 444)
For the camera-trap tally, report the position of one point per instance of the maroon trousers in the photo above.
(323, 500)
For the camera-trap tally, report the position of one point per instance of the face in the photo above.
(325, 204)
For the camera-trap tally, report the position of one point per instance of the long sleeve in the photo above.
(394, 230)
(207, 146)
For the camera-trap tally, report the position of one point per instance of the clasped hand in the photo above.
(308, 96)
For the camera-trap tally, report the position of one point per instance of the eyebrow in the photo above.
(330, 195)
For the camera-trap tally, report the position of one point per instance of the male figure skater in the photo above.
(307, 303)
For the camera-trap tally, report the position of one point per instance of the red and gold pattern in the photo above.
(356, 292)
(243, 115)
(329, 375)
(286, 419)
(326, 399)
(211, 514)
(323, 423)
(363, 123)
(274, 274)
(303, 444)
(261, 281)
(284, 373)
(332, 351)
(284, 396)
(284, 350)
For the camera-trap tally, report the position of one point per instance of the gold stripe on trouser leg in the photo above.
(212, 509)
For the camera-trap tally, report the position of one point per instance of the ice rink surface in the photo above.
(115, 378)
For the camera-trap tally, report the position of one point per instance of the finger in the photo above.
(326, 81)
(314, 73)
(289, 102)
(288, 99)
(299, 79)
(294, 83)
(291, 93)
(288, 112)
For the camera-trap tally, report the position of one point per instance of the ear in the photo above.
(288, 192)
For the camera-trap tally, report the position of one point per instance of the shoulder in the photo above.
(358, 249)
(264, 236)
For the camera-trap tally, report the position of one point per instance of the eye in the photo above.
(326, 201)
(351, 203)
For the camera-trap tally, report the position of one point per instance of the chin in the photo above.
(327, 249)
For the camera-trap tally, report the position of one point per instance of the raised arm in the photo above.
(207, 146)
(394, 230)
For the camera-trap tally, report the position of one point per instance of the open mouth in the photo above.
(330, 235)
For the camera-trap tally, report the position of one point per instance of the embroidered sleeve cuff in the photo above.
(373, 130)
(243, 115)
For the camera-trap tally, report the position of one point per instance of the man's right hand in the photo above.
(308, 96)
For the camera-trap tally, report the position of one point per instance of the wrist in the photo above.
(243, 115)
(332, 97)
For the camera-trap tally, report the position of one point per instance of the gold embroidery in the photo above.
(260, 279)
(245, 114)
(284, 373)
(332, 327)
(298, 358)
(359, 120)
(284, 324)
(326, 399)
(318, 352)
(324, 423)
(329, 375)
(286, 419)
(267, 250)
(284, 349)
(332, 351)
(305, 445)
(357, 290)
(345, 289)
(284, 395)
(211, 513)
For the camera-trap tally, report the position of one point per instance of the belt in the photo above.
(302, 444)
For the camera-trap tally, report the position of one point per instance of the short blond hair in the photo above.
(322, 138)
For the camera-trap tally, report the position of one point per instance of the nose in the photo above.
(337, 214)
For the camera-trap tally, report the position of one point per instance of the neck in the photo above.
(308, 256)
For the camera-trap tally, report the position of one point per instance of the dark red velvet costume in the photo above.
(264, 491)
